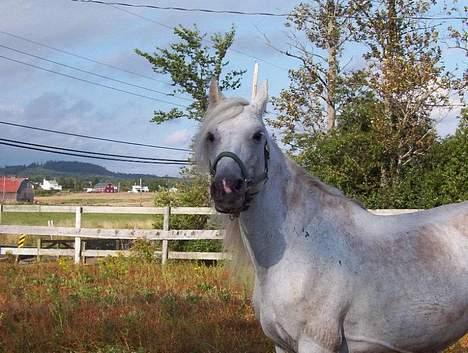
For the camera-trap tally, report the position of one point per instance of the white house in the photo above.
(139, 188)
(50, 185)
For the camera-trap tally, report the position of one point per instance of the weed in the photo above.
(144, 250)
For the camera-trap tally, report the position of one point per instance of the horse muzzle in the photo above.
(229, 194)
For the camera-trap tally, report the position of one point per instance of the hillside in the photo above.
(54, 169)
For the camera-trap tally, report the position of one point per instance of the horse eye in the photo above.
(258, 136)
(210, 137)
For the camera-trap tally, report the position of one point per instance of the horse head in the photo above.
(233, 145)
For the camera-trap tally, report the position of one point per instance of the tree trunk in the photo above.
(332, 51)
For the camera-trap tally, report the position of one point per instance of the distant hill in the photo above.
(54, 169)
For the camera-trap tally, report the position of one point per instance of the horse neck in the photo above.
(289, 199)
(261, 222)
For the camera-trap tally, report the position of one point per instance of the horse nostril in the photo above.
(239, 183)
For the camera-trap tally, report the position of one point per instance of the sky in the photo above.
(109, 34)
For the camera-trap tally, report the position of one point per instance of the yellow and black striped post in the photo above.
(21, 242)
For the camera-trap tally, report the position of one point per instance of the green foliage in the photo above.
(441, 176)
(352, 160)
(144, 250)
(384, 149)
(193, 192)
(191, 65)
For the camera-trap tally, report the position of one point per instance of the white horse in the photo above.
(329, 275)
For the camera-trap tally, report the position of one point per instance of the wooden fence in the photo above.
(79, 234)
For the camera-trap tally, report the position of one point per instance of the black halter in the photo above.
(252, 182)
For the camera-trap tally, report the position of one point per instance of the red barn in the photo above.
(105, 187)
(16, 189)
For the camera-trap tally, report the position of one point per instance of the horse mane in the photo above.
(323, 188)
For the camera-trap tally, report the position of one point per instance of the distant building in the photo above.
(16, 189)
(105, 187)
(50, 185)
(139, 188)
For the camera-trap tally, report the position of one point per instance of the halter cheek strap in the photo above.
(250, 182)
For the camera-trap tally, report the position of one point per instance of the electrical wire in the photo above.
(92, 82)
(243, 13)
(95, 153)
(79, 56)
(177, 8)
(94, 137)
(84, 156)
(90, 73)
(208, 40)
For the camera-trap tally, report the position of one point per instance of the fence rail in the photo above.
(79, 234)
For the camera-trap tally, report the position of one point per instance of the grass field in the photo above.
(98, 199)
(124, 306)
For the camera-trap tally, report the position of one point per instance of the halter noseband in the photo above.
(250, 182)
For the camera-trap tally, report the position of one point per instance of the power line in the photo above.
(90, 73)
(176, 8)
(92, 82)
(78, 56)
(210, 41)
(243, 13)
(87, 156)
(95, 153)
(94, 137)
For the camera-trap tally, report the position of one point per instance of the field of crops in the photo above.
(126, 305)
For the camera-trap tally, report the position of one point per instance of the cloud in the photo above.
(178, 138)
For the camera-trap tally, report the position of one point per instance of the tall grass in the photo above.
(126, 305)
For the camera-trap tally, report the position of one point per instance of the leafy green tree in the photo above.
(406, 73)
(190, 64)
(441, 176)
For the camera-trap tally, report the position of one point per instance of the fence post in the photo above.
(78, 212)
(165, 242)
(1, 212)
(39, 245)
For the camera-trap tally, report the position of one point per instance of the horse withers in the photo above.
(329, 275)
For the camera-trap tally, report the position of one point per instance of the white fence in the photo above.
(79, 234)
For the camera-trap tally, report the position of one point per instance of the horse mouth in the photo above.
(233, 202)
(222, 206)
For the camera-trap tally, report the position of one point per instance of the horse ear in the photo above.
(214, 95)
(261, 98)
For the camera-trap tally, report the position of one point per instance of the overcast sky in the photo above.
(106, 34)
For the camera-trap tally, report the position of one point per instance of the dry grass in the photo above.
(124, 306)
(98, 199)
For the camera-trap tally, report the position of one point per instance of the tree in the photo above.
(407, 74)
(311, 102)
(441, 175)
(191, 65)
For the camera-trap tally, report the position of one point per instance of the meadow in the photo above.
(145, 199)
(123, 306)
(126, 305)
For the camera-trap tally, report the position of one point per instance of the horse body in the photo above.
(329, 275)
